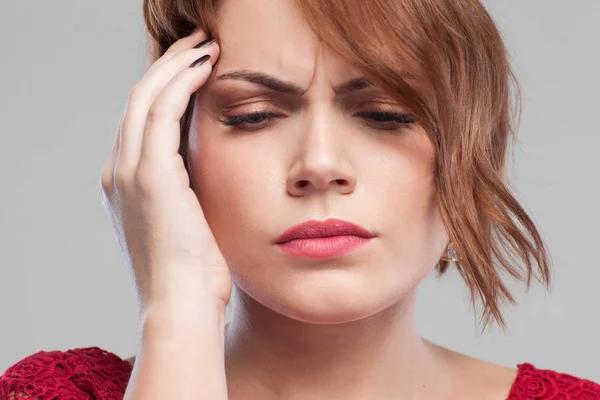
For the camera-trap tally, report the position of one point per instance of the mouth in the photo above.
(323, 239)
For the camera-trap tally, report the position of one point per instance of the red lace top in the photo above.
(92, 373)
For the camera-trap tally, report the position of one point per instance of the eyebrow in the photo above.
(277, 85)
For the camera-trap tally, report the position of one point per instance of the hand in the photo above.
(145, 188)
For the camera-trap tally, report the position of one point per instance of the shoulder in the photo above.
(82, 373)
(534, 383)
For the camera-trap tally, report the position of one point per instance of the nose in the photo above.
(320, 178)
(321, 160)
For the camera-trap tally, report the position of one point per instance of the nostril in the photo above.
(304, 183)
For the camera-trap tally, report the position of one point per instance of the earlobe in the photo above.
(450, 254)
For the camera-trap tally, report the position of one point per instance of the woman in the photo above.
(326, 156)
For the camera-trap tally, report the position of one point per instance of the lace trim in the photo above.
(86, 373)
(537, 384)
(95, 374)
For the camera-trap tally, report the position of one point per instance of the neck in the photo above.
(268, 355)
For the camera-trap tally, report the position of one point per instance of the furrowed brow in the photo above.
(352, 86)
(275, 84)
(268, 81)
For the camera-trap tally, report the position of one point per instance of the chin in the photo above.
(327, 296)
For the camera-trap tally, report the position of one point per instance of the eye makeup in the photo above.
(377, 119)
(251, 109)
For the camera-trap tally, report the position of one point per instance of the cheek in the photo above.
(232, 183)
(417, 232)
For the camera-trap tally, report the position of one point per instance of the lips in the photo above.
(323, 229)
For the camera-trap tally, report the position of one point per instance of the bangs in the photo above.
(377, 38)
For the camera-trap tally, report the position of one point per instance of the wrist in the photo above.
(179, 297)
(179, 309)
(176, 323)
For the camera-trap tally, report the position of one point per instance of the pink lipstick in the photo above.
(323, 239)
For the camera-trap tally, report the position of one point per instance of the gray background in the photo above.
(67, 66)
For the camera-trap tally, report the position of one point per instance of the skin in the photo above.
(328, 329)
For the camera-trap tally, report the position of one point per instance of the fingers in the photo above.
(182, 44)
(162, 134)
(145, 93)
(127, 148)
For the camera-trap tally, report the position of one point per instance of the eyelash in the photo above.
(386, 117)
(248, 118)
(376, 116)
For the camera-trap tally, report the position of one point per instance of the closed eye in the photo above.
(386, 120)
(379, 119)
(252, 119)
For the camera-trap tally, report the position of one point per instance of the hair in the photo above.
(446, 62)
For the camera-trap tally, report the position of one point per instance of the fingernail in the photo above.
(205, 43)
(200, 61)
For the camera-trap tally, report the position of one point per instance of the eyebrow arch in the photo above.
(352, 86)
(268, 81)
(277, 85)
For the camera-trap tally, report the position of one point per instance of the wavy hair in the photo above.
(446, 62)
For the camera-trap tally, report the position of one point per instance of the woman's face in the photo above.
(316, 155)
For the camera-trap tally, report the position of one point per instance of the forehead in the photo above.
(271, 36)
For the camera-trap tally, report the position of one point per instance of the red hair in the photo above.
(445, 61)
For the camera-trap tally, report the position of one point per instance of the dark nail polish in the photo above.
(205, 43)
(200, 61)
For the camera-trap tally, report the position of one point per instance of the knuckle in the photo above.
(136, 92)
(167, 54)
(158, 114)
(154, 114)
(145, 180)
(120, 179)
(106, 179)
